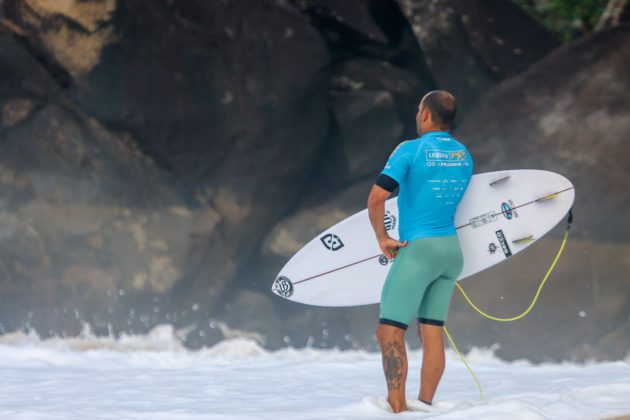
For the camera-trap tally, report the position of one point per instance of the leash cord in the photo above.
(514, 318)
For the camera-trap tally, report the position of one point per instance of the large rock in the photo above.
(374, 105)
(373, 29)
(567, 114)
(345, 21)
(469, 45)
(230, 97)
(377, 79)
(86, 220)
(294, 231)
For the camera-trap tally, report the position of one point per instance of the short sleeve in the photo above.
(399, 162)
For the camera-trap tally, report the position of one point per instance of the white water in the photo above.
(154, 377)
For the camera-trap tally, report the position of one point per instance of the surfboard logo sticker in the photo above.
(283, 287)
(492, 248)
(484, 219)
(503, 242)
(389, 220)
(332, 242)
(508, 210)
(383, 260)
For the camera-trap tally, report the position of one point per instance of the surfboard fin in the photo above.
(499, 180)
(524, 239)
(546, 197)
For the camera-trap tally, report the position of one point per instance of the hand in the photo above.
(390, 246)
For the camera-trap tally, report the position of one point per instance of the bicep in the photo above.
(378, 195)
(398, 163)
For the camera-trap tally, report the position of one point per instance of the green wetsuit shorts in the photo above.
(420, 281)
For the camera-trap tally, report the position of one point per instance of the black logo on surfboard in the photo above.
(283, 287)
(503, 242)
(332, 242)
(389, 220)
(492, 248)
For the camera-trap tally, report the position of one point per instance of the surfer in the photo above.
(432, 172)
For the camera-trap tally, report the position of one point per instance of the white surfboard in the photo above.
(501, 214)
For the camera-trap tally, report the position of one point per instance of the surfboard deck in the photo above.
(501, 214)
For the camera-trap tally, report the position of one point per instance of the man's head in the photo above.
(436, 112)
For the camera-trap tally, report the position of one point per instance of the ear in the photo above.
(426, 115)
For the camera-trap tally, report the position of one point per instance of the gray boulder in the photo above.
(469, 45)
(86, 219)
(227, 97)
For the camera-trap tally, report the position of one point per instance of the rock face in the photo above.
(85, 217)
(567, 114)
(227, 99)
(471, 44)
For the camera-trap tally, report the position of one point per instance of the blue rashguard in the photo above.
(433, 173)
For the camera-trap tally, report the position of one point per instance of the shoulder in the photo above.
(405, 147)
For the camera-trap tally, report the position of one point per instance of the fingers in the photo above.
(391, 250)
(390, 247)
(396, 244)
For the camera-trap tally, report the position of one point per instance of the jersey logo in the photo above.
(459, 155)
(332, 242)
(445, 156)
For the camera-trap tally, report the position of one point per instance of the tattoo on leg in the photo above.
(393, 363)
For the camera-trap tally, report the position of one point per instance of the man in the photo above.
(433, 173)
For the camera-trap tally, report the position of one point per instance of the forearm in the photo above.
(376, 211)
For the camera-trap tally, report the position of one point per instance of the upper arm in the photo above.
(399, 162)
(378, 195)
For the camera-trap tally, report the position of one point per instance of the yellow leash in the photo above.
(465, 364)
(494, 318)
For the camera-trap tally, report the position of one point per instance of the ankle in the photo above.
(397, 406)
(426, 402)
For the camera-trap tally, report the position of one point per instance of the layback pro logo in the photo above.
(446, 157)
(443, 156)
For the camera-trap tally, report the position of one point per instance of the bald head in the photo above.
(442, 107)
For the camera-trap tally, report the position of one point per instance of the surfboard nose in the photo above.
(282, 287)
